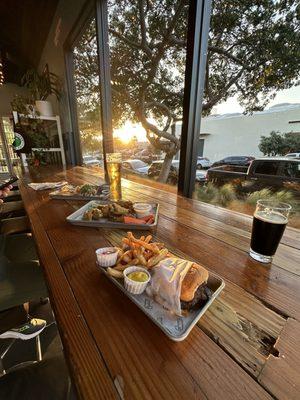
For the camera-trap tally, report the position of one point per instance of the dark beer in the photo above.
(267, 231)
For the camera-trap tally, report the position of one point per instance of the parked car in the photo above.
(155, 169)
(90, 161)
(144, 155)
(234, 160)
(203, 162)
(274, 173)
(136, 166)
(293, 155)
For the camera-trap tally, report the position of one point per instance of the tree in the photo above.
(86, 77)
(253, 52)
(279, 144)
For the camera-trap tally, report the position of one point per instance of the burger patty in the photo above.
(202, 294)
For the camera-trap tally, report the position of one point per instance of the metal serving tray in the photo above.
(76, 218)
(175, 327)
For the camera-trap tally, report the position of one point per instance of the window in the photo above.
(86, 82)
(290, 169)
(249, 92)
(8, 132)
(147, 67)
(250, 106)
(267, 168)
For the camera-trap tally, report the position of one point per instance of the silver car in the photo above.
(135, 165)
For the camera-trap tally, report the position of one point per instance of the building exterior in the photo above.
(239, 134)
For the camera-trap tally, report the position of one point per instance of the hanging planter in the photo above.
(41, 86)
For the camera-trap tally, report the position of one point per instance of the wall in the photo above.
(7, 92)
(65, 17)
(227, 135)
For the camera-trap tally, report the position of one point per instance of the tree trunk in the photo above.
(165, 170)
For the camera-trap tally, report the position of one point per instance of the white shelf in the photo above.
(51, 149)
(53, 118)
(47, 149)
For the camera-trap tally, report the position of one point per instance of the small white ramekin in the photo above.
(142, 209)
(133, 286)
(107, 260)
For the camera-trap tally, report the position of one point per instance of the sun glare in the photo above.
(130, 130)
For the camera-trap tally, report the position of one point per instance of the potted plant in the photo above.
(31, 130)
(41, 86)
(23, 105)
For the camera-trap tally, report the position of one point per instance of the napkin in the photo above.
(47, 185)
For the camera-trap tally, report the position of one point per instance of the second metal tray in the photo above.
(76, 219)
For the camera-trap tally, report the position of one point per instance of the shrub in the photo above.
(226, 194)
(207, 193)
(221, 196)
(266, 194)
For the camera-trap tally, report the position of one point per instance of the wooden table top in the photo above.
(246, 346)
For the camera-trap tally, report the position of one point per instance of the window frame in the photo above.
(91, 9)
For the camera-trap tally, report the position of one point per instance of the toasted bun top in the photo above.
(195, 277)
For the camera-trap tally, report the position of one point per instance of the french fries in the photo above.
(113, 272)
(140, 251)
(157, 258)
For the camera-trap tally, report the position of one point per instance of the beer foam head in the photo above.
(271, 216)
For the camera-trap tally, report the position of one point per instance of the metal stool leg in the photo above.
(38, 348)
(2, 370)
(22, 364)
(3, 354)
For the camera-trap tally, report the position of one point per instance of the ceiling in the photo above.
(24, 26)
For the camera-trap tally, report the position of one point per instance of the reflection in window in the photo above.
(147, 43)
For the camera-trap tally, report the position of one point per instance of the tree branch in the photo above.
(144, 44)
(124, 39)
(225, 53)
(222, 92)
(141, 113)
(173, 40)
(164, 42)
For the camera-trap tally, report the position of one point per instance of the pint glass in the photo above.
(114, 164)
(269, 222)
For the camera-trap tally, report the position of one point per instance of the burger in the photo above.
(194, 292)
(179, 285)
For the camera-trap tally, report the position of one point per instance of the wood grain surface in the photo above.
(281, 373)
(112, 348)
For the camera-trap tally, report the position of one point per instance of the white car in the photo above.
(137, 166)
(203, 162)
(293, 155)
(200, 176)
(90, 161)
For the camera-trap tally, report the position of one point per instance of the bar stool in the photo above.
(48, 380)
(13, 195)
(9, 226)
(9, 345)
(13, 217)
